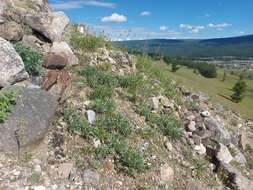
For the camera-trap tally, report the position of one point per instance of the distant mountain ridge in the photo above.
(241, 46)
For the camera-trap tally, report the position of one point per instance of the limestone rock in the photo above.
(167, 174)
(201, 149)
(63, 49)
(223, 154)
(91, 178)
(236, 180)
(64, 170)
(219, 132)
(12, 68)
(154, 103)
(35, 43)
(51, 25)
(11, 31)
(91, 116)
(28, 120)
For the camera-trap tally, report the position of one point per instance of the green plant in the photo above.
(170, 127)
(94, 77)
(103, 106)
(31, 59)
(34, 178)
(82, 42)
(200, 166)
(115, 124)
(129, 160)
(102, 92)
(7, 99)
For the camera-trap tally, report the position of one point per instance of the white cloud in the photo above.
(220, 26)
(115, 17)
(192, 28)
(145, 13)
(76, 4)
(163, 28)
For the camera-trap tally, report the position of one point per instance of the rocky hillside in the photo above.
(77, 113)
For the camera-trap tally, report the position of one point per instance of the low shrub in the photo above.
(32, 59)
(103, 106)
(7, 99)
(169, 127)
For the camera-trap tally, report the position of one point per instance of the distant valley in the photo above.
(240, 47)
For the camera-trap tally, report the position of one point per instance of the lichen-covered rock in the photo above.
(11, 31)
(29, 118)
(35, 43)
(12, 68)
(51, 25)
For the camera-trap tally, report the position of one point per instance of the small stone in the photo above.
(37, 168)
(167, 174)
(201, 149)
(192, 126)
(168, 145)
(91, 116)
(154, 103)
(91, 178)
(64, 170)
(205, 114)
(39, 188)
(96, 143)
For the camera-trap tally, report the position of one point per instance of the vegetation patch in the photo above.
(7, 99)
(31, 59)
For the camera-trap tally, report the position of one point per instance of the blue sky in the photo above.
(170, 19)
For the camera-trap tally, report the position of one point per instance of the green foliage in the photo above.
(117, 124)
(31, 59)
(207, 70)
(96, 78)
(7, 99)
(88, 42)
(103, 106)
(174, 67)
(129, 160)
(102, 92)
(170, 127)
(200, 166)
(239, 90)
(143, 63)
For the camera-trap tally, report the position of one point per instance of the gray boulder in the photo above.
(29, 118)
(235, 179)
(12, 68)
(223, 154)
(219, 132)
(51, 25)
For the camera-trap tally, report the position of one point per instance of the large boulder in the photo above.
(35, 43)
(12, 68)
(11, 31)
(51, 25)
(57, 83)
(29, 118)
(233, 178)
(63, 49)
(219, 132)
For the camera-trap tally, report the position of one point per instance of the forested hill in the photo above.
(241, 46)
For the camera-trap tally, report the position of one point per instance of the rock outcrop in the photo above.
(12, 68)
(51, 25)
(29, 118)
